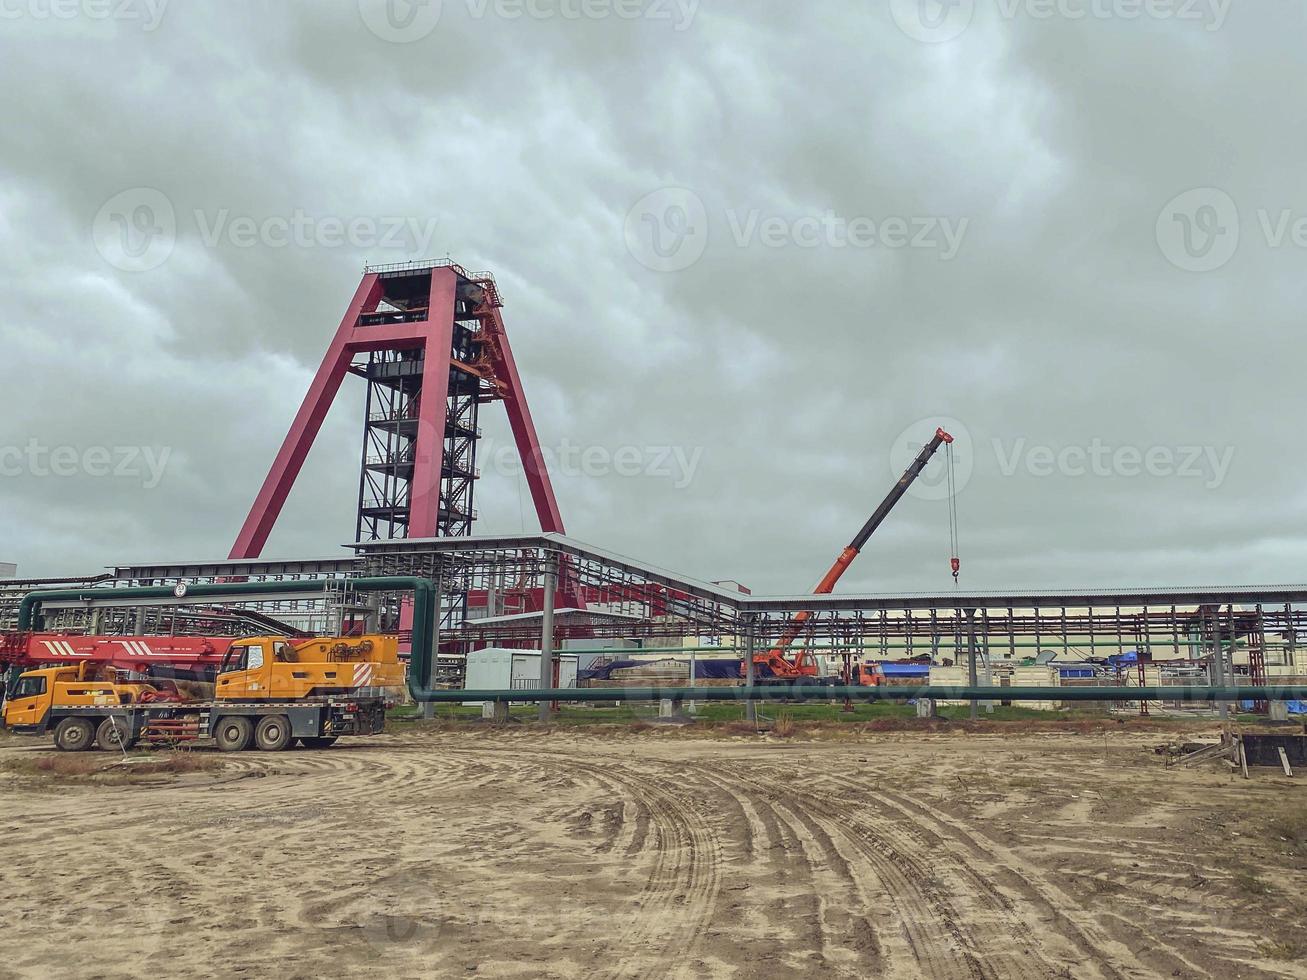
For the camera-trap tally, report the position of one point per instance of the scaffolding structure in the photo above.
(635, 605)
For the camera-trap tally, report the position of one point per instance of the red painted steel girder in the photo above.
(434, 336)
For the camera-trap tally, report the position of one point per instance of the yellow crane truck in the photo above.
(269, 692)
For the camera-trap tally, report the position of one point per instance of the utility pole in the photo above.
(750, 708)
(428, 710)
(547, 632)
(972, 679)
(1218, 664)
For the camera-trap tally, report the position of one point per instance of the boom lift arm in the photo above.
(776, 658)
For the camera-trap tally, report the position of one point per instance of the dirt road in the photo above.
(633, 855)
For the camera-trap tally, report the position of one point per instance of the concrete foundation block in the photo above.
(496, 711)
(669, 708)
(926, 708)
(1279, 711)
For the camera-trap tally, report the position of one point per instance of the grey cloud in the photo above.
(789, 370)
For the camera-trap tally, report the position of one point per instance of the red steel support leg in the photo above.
(524, 434)
(308, 420)
(424, 503)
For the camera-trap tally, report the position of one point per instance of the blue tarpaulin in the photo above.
(716, 669)
(893, 669)
(1079, 670)
(1295, 707)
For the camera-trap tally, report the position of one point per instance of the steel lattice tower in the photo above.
(429, 339)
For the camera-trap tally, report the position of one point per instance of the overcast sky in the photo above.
(752, 253)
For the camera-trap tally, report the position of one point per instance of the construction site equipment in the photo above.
(269, 692)
(777, 665)
(154, 655)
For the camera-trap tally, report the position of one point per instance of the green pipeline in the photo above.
(424, 629)
(817, 692)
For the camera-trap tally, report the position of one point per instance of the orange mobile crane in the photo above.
(778, 665)
(270, 692)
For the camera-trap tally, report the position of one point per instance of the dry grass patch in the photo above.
(101, 767)
(784, 726)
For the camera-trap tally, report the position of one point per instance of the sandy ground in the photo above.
(627, 854)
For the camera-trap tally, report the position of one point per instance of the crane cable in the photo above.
(954, 562)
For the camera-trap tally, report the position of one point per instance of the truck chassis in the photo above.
(234, 726)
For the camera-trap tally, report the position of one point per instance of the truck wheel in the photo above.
(74, 735)
(234, 734)
(319, 742)
(112, 735)
(273, 733)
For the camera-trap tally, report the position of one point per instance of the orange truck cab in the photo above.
(866, 674)
(89, 686)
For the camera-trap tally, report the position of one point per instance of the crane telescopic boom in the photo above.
(776, 658)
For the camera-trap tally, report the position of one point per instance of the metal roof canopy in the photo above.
(557, 543)
(468, 548)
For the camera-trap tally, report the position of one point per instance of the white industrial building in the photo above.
(501, 668)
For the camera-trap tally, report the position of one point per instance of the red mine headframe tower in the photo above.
(429, 340)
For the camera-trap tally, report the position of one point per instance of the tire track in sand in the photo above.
(931, 940)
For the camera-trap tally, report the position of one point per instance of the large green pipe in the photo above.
(814, 692)
(424, 634)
